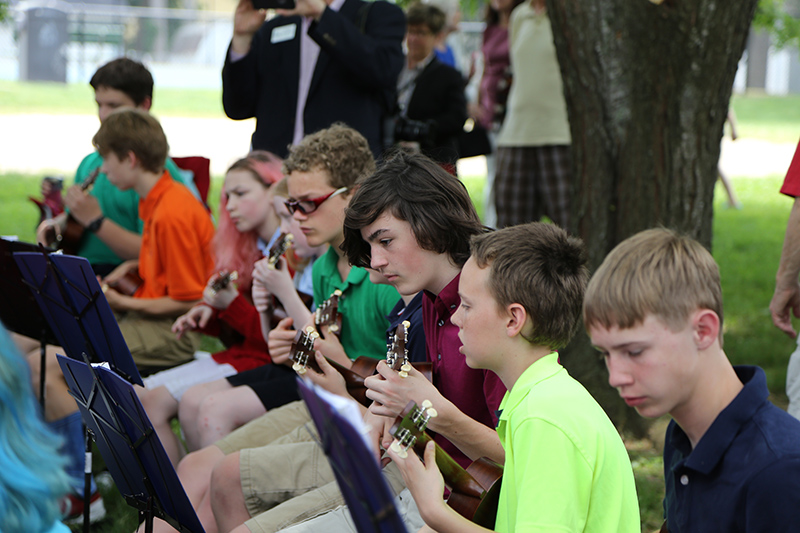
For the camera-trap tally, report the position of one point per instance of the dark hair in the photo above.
(417, 190)
(130, 129)
(126, 75)
(432, 17)
(492, 16)
(541, 267)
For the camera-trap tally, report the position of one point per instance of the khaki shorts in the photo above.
(152, 343)
(309, 511)
(267, 428)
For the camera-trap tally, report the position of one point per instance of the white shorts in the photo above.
(178, 380)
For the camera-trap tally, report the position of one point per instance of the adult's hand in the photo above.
(246, 22)
(305, 8)
(785, 303)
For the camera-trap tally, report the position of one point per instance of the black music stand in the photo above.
(72, 302)
(19, 311)
(129, 445)
(70, 299)
(358, 474)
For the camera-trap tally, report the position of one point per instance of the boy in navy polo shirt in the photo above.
(731, 458)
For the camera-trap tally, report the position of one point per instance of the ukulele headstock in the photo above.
(397, 351)
(224, 278)
(327, 314)
(411, 426)
(279, 248)
(302, 351)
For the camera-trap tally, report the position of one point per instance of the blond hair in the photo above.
(340, 150)
(655, 272)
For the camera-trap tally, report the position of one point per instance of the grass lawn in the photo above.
(78, 99)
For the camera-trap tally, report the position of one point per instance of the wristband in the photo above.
(95, 224)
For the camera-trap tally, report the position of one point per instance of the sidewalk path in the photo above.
(38, 144)
(57, 143)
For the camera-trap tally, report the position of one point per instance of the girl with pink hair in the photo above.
(248, 224)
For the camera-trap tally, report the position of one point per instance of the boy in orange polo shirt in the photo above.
(175, 258)
(174, 263)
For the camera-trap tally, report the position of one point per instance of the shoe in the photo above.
(72, 508)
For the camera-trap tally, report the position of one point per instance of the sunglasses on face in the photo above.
(312, 204)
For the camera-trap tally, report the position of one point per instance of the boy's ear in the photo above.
(705, 324)
(517, 318)
(146, 104)
(131, 159)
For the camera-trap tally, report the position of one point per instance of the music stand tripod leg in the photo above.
(42, 372)
(87, 480)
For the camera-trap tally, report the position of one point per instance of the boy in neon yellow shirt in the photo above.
(566, 468)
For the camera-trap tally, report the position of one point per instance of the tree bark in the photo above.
(647, 86)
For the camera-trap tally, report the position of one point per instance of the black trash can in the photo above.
(43, 45)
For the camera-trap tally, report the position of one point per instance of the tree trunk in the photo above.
(647, 86)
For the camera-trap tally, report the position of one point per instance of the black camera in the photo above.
(400, 128)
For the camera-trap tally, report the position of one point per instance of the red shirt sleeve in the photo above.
(791, 183)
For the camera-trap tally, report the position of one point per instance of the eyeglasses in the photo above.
(312, 204)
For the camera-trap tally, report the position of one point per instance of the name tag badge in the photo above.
(283, 33)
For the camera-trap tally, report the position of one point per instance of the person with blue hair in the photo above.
(32, 476)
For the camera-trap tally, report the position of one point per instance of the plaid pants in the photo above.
(532, 181)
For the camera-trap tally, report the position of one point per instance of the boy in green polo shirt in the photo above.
(110, 215)
(566, 468)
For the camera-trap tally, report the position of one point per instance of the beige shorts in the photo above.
(267, 428)
(152, 343)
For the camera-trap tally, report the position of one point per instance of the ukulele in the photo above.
(302, 353)
(224, 279)
(474, 492)
(127, 284)
(327, 314)
(278, 248)
(69, 239)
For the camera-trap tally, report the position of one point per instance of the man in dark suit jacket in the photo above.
(345, 71)
(430, 91)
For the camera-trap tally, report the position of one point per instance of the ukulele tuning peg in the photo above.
(399, 449)
(334, 328)
(300, 369)
(430, 412)
(234, 275)
(406, 324)
(337, 292)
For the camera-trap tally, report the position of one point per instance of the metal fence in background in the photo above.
(54, 40)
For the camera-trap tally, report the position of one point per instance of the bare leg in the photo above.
(227, 498)
(726, 183)
(24, 344)
(58, 402)
(194, 471)
(189, 409)
(220, 414)
(162, 408)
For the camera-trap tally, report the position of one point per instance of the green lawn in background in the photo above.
(769, 118)
(78, 99)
